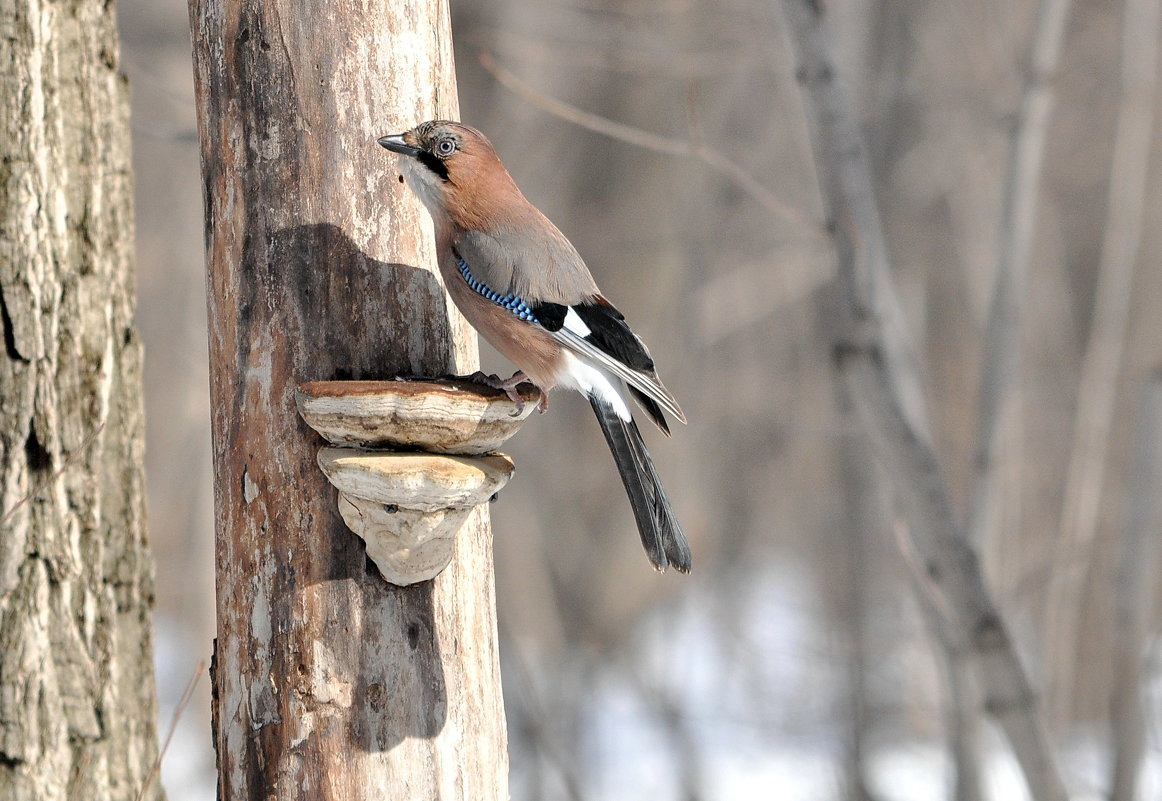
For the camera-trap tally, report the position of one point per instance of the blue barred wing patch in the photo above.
(511, 302)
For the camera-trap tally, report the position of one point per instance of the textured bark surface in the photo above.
(330, 683)
(77, 704)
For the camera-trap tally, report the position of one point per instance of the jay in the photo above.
(524, 287)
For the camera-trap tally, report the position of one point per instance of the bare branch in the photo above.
(647, 140)
(1102, 363)
(876, 375)
(999, 399)
(183, 702)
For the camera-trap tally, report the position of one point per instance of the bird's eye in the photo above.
(445, 147)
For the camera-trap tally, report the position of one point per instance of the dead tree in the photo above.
(77, 698)
(329, 683)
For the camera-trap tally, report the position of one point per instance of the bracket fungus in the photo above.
(414, 458)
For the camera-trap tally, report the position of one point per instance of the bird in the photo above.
(524, 287)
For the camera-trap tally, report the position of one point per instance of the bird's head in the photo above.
(453, 168)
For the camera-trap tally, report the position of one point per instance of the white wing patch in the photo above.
(574, 323)
(585, 351)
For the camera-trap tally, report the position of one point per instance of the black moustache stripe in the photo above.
(433, 164)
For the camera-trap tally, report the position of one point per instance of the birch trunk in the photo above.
(77, 699)
(330, 683)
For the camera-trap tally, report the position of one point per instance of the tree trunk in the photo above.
(330, 683)
(77, 703)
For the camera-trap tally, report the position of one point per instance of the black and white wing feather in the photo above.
(598, 332)
(593, 330)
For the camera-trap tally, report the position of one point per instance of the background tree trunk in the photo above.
(330, 683)
(880, 381)
(77, 702)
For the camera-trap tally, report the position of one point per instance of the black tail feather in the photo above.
(662, 536)
(651, 408)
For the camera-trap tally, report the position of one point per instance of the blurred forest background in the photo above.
(794, 660)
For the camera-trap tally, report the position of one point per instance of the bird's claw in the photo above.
(515, 397)
(508, 387)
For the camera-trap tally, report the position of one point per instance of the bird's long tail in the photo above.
(662, 536)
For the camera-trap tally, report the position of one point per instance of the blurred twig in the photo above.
(862, 490)
(878, 379)
(650, 141)
(597, 54)
(42, 486)
(999, 406)
(78, 786)
(999, 444)
(1101, 365)
(187, 694)
(963, 697)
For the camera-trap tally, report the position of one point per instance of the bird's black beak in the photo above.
(396, 144)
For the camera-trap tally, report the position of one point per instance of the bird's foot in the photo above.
(508, 386)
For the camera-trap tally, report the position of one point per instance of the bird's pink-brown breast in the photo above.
(530, 347)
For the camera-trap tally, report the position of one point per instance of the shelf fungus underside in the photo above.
(408, 505)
